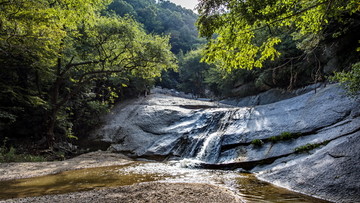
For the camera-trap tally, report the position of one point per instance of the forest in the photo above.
(64, 63)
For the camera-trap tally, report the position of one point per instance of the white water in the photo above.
(205, 144)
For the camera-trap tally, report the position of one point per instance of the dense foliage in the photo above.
(294, 42)
(193, 73)
(239, 25)
(59, 56)
(65, 63)
(350, 80)
(163, 17)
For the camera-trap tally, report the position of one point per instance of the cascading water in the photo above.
(187, 132)
(205, 143)
(210, 149)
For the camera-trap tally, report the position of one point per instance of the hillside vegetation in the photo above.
(65, 63)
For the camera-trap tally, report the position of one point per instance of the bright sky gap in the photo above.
(189, 4)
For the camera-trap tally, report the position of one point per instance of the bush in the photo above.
(10, 155)
(284, 136)
(257, 142)
(308, 147)
(349, 80)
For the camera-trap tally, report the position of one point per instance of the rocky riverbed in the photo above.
(307, 142)
(141, 192)
(144, 192)
(10, 171)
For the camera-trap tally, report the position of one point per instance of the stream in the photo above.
(195, 132)
(247, 186)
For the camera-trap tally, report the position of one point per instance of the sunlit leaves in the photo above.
(235, 25)
(350, 80)
(235, 48)
(38, 28)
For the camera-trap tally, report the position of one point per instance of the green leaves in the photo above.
(236, 25)
(55, 51)
(235, 48)
(162, 17)
(192, 73)
(350, 80)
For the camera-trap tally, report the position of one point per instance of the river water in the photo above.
(244, 185)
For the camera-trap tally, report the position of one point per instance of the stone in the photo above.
(218, 135)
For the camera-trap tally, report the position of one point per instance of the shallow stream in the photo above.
(246, 186)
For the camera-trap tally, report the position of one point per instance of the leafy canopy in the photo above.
(54, 50)
(192, 73)
(235, 27)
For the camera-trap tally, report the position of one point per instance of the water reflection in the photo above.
(254, 190)
(71, 181)
(245, 185)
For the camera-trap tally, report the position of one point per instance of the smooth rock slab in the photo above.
(332, 172)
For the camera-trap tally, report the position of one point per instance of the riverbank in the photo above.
(142, 192)
(10, 171)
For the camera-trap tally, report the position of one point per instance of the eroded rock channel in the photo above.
(307, 143)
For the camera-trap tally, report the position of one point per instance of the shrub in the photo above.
(308, 147)
(349, 80)
(257, 142)
(284, 136)
(10, 155)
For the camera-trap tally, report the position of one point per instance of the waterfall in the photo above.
(205, 143)
(210, 148)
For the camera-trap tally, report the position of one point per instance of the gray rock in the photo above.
(270, 96)
(332, 172)
(165, 126)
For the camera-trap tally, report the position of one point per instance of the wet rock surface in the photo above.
(331, 172)
(166, 127)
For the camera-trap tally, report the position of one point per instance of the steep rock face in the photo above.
(317, 117)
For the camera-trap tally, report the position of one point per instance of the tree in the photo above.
(66, 46)
(192, 73)
(233, 27)
(113, 46)
(162, 17)
(31, 37)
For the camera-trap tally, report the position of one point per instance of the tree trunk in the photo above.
(50, 135)
(54, 108)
